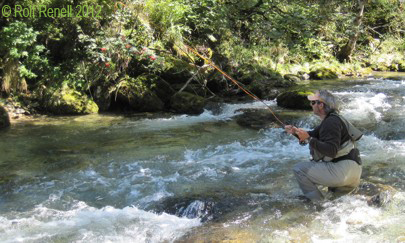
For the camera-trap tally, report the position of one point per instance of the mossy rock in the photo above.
(163, 90)
(256, 119)
(137, 94)
(4, 118)
(248, 73)
(324, 73)
(380, 66)
(66, 101)
(292, 78)
(401, 66)
(294, 100)
(394, 67)
(365, 71)
(192, 88)
(187, 103)
(261, 80)
(176, 70)
(266, 89)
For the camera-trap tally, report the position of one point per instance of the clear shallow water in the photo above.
(187, 178)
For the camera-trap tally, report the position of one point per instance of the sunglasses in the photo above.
(313, 102)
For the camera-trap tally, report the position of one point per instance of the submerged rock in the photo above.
(378, 194)
(395, 78)
(203, 208)
(7, 183)
(4, 118)
(210, 206)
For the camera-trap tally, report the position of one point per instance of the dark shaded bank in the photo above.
(172, 97)
(4, 118)
(182, 93)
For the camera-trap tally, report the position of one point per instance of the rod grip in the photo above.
(303, 143)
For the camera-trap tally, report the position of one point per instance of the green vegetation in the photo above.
(257, 42)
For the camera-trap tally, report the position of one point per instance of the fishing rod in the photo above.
(248, 92)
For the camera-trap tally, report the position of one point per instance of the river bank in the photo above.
(25, 108)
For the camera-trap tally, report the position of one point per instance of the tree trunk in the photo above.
(345, 53)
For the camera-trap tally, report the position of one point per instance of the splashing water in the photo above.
(191, 178)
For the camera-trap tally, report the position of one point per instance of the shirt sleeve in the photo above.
(329, 138)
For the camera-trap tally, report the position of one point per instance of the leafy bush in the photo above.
(22, 57)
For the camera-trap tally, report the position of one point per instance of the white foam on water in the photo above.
(227, 112)
(244, 159)
(373, 150)
(146, 182)
(363, 107)
(351, 219)
(83, 223)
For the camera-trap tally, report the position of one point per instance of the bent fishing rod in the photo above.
(248, 92)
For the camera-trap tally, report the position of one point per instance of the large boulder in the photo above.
(261, 81)
(294, 100)
(176, 70)
(67, 101)
(163, 89)
(377, 194)
(188, 103)
(256, 119)
(137, 94)
(293, 78)
(4, 118)
(102, 97)
(323, 73)
(263, 89)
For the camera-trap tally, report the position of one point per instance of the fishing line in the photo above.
(248, 92)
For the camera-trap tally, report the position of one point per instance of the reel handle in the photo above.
(302, 143)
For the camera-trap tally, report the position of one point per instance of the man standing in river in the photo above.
(335, 159)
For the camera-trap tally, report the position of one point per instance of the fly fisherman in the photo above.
(335, 159)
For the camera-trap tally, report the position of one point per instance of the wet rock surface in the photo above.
(294, 100)
(324, 73)
(187, 103)
(256, 119)
(19, 110)
(378, 195)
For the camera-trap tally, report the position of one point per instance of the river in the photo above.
(179, 178)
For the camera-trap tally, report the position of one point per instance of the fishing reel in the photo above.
(302, 143)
